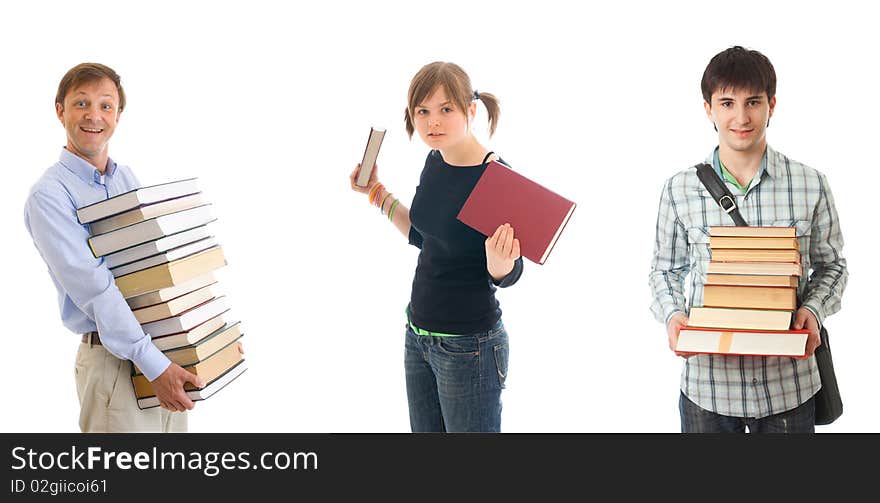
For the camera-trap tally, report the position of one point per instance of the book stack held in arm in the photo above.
(749, 295)
(157, 244)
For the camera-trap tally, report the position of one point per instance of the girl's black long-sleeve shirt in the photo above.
(452, 290)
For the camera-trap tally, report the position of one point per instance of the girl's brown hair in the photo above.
(458, 88)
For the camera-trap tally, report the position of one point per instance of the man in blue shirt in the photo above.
(89, 103)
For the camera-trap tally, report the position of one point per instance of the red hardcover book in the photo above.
(538, 215)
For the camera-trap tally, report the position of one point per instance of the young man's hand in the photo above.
(805, 319)
(677, 321)
(169, 388)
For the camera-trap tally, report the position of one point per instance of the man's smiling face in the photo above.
(89, 116)
(741, 118)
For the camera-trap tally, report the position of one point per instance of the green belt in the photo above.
(419, 331)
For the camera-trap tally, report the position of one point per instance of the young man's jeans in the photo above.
(695, 419)
(454, 384)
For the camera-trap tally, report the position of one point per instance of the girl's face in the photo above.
(440, 124)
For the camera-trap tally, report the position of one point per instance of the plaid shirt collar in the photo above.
(769, 165)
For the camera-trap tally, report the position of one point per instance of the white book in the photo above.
(174, 306)
(134, 198)
(371, 153)
(201, 394)
(192, 336)
(150, 230)
(145, 212)
(187, 319)
(151, 248)
(740, 319)
(161, 258)
(757, 268)
(172, 292)
(742, 342)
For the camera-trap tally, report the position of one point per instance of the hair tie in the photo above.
(476, 95)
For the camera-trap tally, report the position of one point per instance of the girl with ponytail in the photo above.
(456, 347)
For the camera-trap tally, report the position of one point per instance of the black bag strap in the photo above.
(488, 155)
(719, 192)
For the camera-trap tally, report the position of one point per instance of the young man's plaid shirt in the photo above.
(783, 193)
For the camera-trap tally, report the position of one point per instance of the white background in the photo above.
(270, 105)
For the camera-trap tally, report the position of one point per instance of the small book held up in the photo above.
(537, 214)
(371, 153)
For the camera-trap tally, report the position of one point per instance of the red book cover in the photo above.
(538, 215)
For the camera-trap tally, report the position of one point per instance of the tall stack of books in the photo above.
(749, 296)
(157, 244)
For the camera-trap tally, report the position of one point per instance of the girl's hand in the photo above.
(502, 250)
(374, 179)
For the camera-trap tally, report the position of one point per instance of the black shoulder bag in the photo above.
(828, 403)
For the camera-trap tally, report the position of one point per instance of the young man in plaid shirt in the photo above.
(721, 393)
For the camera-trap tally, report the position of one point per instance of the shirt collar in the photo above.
(81, 168)
(771, 162)
(768, 164)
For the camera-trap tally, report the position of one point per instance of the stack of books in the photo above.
(157, 244)
(749, 296)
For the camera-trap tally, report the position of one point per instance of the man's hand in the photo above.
(502, 250)
(677, 321)
(169, 388)
(805, 319)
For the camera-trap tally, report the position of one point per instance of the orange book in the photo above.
(750, 297)
(209, 369)
(762, 232)
(738, 242)
(751, 280)
(755, 255)
(171, 273)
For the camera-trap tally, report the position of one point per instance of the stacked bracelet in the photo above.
(382, 205)
(375, 197)
(391, 209)
(374, 193)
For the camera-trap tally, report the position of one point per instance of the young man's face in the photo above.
(89, 115)
(741, 118)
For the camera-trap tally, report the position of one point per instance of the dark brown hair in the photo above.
(738, 68)
(88, 72)
(458, 88)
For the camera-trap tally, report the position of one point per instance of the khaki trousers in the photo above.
(107, 401)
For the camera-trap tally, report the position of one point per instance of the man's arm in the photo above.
(829, 277)
(670, 264)
(62, 242)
